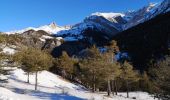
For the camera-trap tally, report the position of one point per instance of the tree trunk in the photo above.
(36, 79)
(63, 74)
(127, 87)
(28, 81)
(108, 88)
(71, 77)
(94, 87)
(115, 86)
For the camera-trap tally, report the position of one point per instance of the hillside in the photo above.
(53, 87)
(146, 41)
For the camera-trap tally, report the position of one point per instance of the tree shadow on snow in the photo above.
(45, 95)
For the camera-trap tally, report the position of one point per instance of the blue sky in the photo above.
(18, 14)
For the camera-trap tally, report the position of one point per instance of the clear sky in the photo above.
(18, 14)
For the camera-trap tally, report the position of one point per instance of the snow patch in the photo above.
(8, 50)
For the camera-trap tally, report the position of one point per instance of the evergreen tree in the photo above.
(145, 82)
(91, 68)
(128, 75)
(66, 64)
(161, 78)
(111, 69)
(33, 60)
(22, 58)
(112, 48)
(99, 68)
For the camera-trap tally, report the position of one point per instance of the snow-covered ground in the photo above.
(8, 50)
(53, 87)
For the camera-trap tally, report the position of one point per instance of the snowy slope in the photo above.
(146, 13)
(53, 87)
(50, 81)
(51, 28)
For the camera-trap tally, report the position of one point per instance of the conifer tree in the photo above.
(100, 68)
(34, 60)
(161, 77)
(21, 58)
(112, 48)
(65, 63)
(92, 68)
(128, 75)
(111, 69)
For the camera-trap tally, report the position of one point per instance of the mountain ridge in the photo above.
(108, 23)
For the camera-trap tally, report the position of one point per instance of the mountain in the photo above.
(51, 28)
(146, 13)
(107, 24)
(146, 41)
(103, 25)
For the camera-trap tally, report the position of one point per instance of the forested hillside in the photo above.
(146, 41)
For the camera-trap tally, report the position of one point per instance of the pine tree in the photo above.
(111, 69)
(145, 82)
(33, 60)
(66, 64)
(112, 48)
(99, 68)
(128, 75)
(21, 58)
(91, 68)
(161, 77)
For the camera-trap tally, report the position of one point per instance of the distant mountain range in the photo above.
(107, 23)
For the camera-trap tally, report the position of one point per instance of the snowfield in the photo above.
(54, 87)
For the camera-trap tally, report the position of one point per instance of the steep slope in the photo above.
(106, 25)
(146, 41)
(146, 13)
(94, 23)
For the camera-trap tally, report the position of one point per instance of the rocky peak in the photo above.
(53, 25)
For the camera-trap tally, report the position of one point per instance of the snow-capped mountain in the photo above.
(94, 22)
(51, 28)
(107, 23)
(146, 13)
(113, 23)
(109, 16)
